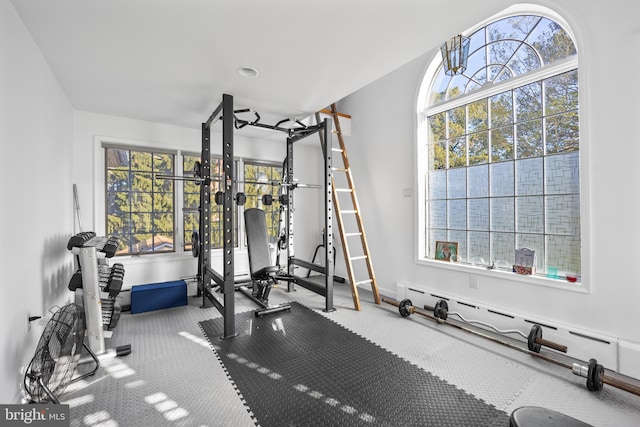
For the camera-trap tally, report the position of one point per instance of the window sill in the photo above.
(168, 257)
(537, 280)
(148, 258)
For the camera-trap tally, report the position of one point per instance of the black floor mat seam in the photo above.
(318, 312)
(228, 375)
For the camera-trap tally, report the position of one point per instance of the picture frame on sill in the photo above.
(446, 251)
(525, 261)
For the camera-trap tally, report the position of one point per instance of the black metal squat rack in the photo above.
(208, 278)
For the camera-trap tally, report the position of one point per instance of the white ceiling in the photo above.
(170, 61)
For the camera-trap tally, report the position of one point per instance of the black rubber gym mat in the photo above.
(298, 368)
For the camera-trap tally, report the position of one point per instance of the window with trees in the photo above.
(191, 203)
(264, 179)
(140, 209)
(500, 143)
(139, 206)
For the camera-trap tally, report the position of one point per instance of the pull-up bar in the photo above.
(214, 117)
(300, 129)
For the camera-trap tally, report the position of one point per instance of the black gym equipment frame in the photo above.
(226, 280)
(328, 269)
(206, 274)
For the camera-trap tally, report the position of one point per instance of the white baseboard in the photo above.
(629, 358)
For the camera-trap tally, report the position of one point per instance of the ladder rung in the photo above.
(339, 169)
(358, 257)
(336, 149)
(344, 190)
(363, 282)
(352, 234)
(349, 212)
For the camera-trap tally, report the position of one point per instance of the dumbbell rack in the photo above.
(99, 298)
(110, 282)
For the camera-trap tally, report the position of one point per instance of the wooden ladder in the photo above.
(346, 237)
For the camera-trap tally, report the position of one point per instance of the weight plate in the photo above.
(441, 310)
(219, 198)
(534, 334)
(592, 365)
(195, 244)
(594, 376)
(405, 308)
(597, 377)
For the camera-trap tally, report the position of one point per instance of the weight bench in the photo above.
(263, 271)
(533, 416)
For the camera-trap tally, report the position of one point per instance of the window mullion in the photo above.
(491, 89)
(178, 203)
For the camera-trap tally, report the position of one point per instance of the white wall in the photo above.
(36, 132)
(91, 129)
(48, 147)
(382, 148)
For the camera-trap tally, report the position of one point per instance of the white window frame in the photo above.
(99, 217)
(421, 140)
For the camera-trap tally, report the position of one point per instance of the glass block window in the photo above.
(139, 205)
(502, 162)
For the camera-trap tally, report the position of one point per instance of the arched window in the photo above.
(499, 148)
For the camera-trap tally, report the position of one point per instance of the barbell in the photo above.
(196, 175)
(593, 371)
(534, 339)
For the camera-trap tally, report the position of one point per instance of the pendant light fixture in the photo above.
(455, 53)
